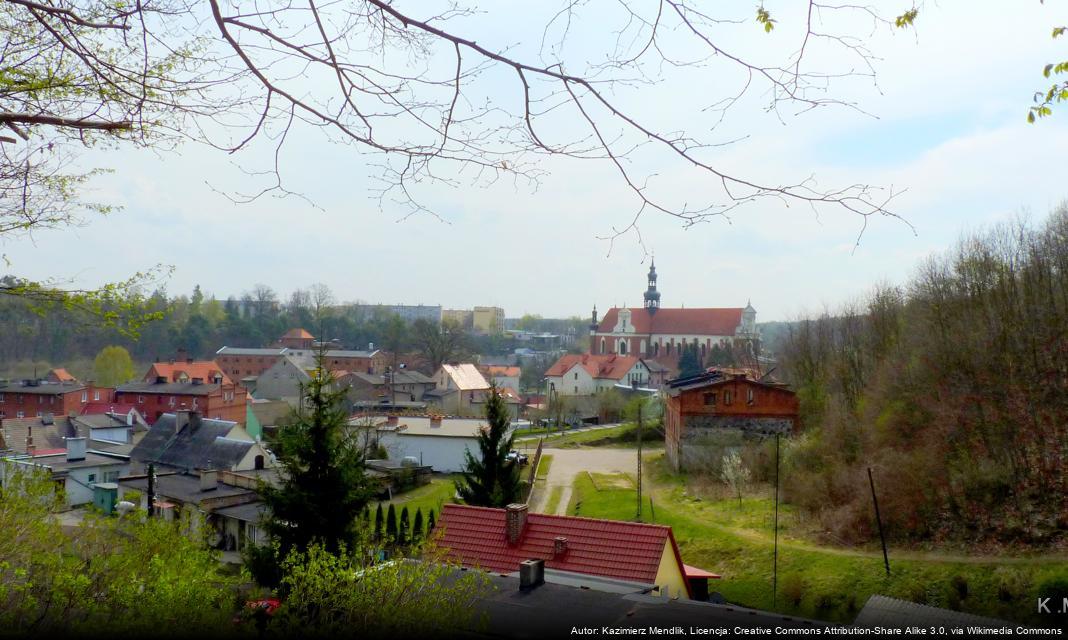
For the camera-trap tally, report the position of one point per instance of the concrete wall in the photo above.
(444, 454)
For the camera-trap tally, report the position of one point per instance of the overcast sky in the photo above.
(949, 127)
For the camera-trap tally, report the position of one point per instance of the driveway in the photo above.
(567, 463)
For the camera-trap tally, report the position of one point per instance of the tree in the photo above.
(430, 523)
(735, 474)
(380, 521)
(112, 366)
(491, 480)
(403, 528)
(324, 487)
(417, 526)
(690, 361)
(391, 524)
(439, 343)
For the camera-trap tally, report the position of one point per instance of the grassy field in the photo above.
(618, 436)
(827, 583)
(544, 464)
(553, 502)
(440, 491)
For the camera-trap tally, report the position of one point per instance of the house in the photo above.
(502, 375)
(402, 385)
(370, 361)
(697, 406)
(656, 333)
(228, 501)
(114, 433)
(434, 441)
(240, 363)
(488, 320)
(186, 441)
(216, 397)
(38, 397)
(511, 398)
(588, 374)
(455, 386)
(500, 540)
(59, 375)
(75, 468)
(285, 379)
(296, 339)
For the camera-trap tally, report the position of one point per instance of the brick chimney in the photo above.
(559, 546)
(435, 422)
(515, 521)
(209, 479)
(392, 421)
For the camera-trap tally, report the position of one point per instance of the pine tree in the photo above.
(430, 523)
(404, 529)
(324, 487)
(391, 525)
(491, 480)
(417, 526)
(690, 361)
(380, 521)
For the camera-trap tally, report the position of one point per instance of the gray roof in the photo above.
(198, 445)
(249, 512)
(343, 353)
(401, 377)
(44, 388)
(881, 611)
(57, 463)
(170, 388)
(243, 351)
(185, 487)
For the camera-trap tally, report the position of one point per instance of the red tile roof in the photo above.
(702, 322)
(610, 366)
(60, 375)
(298, 333)
(205, 369)
(476, 537)
(503, 371)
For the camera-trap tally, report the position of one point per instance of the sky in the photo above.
(944, 125)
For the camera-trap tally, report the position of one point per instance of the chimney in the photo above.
(515, 521)
(209, 479)
(75, 449)
(531, 574)
(370, 346)
(392, 421)
(435, 422)
(559, 546)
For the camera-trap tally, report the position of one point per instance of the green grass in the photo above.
(554, 500)
(544, 464)
(432, 496)
(819, 582)
(619, 436)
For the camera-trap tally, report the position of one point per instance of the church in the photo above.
(654, 333)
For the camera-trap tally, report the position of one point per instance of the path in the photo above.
(567, 463)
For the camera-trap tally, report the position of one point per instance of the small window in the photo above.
(576, 390)
(749, 397)
(85, 396)
(576, 375)
(20, 414)
(96, 394)
(726, 397)
(2, 396)
(92, 477)
(710, 399)
(140, 399)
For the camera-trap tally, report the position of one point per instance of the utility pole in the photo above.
(879, 521)
(639, 459)
(775, 562)
(151, 489)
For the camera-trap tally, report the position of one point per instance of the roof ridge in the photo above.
(558, 516)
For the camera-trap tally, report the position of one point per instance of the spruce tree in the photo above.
(430, 523)
(491, 480)
(403, 529)
(324, 487)
(391, 525)
(417, 526)
(690, 361)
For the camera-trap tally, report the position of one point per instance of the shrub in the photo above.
(793, 588)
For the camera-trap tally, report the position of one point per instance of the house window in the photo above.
(52, 399)
(2, 396)
(576, 375)
(171, 401)
(576, 390)
(18, 398)
(96, 394)
(20, 414)
(140, 399)
(726, 397)
(710, 399)
(111, 476)
(92, 477)
(2, 415)
(749, 398)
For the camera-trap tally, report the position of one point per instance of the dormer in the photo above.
(623, 324)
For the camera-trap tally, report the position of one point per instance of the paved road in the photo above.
(567, 463)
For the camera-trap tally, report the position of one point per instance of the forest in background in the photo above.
(953, 388)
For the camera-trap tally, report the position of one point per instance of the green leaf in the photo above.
(906, 19)
(1046, 71)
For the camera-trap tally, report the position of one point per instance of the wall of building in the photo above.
(78, 486)
(669, 576)
(445, 454)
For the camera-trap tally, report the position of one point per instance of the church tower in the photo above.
(652, 296)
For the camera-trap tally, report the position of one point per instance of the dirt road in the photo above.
(567, 463)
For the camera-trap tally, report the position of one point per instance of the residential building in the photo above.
(228, 501)
(37, 397)
(285, 379)
(586, 374)
(240, 363)
(219, 399)
(697, 407)
(187, 441)
(367, 361)
(74, 467)
(657, 333)
(59, 375)
(403, 385)
(187, 370)
(488, 320)
(462, 317)
(512, 399)
(500, 540)
(434, 441)
(111, 432)
(406, 312)
(455, 386)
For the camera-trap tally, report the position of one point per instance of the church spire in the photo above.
(652, 296)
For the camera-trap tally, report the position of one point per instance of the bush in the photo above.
(793, 588)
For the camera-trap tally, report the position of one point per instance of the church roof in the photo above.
(710, 322)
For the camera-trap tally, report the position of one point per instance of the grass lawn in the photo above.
(617, 436)
(826, 583)
(440, 491)
(544, 464)
(554, 500)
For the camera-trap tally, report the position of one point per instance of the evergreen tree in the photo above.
(430, 523)
(690, 361)
(417, 526)
(324, 487)
(404, 529)
(391, 525)
(380, 521)
(491, 480)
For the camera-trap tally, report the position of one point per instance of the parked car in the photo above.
(515, 456)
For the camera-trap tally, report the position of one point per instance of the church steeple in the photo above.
(652, 296)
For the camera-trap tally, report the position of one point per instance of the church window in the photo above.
(602, 345)
(623, 347)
